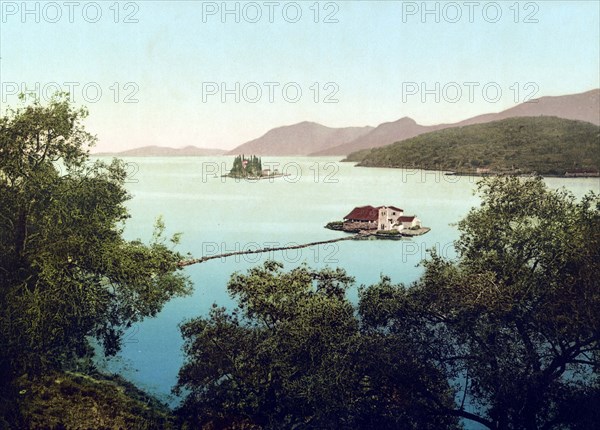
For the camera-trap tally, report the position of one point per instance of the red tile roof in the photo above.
(364, 213)
(406, 218)
(396, 209)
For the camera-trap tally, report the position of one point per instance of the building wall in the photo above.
(387, 218)
(415, 222)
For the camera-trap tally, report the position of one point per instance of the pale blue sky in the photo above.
(372, 52)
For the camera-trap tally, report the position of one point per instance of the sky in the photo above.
(217, 74)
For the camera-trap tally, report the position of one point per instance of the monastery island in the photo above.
(380, 221)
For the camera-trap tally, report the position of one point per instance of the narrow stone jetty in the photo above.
(361, 235)
(185, 263)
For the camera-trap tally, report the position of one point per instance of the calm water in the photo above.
(219, 215)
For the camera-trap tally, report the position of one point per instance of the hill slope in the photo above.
(546, 145)
(78, 401)
(388, 132)
(299, 139)
(582, 107)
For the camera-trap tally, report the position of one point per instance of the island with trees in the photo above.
(251, 168)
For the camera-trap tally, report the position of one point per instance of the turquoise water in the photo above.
(219, 215)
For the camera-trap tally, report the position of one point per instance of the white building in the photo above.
(379, 218)
(409, 221)
(388, 217)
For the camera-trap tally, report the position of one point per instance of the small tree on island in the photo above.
(246, 167)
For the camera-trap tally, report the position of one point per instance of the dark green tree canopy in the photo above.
(516, 319)
(246, 167)
(66, 273)
(505, 336)
(292, 355)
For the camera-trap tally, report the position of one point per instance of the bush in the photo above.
(389, 232)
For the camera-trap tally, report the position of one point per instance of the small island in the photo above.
(388, 222)
(251, 168)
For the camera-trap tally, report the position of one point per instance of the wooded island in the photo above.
(251, 168)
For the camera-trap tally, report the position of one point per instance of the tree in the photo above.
(292, 355)
(246, 167)
(514, 321)
(66, 273)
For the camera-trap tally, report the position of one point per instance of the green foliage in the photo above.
(389, 232)
(545, 145)
(292, 355)
(66, 273)
(515, 319)
(246, 167)
(76, 401)
(359, 156)
(335, 225)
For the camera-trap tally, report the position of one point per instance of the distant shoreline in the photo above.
(590, 175)
(475, 174)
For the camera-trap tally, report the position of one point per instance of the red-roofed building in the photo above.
(363, 213)
(362, 218)
(409, 221)
(394, 208)
(376, 218)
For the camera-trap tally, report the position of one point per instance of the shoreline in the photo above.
(481, 175)
(475, 174)
(360, 234)
(404, 234)
(255, 178)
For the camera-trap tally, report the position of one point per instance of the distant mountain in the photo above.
(310, 138)
(383, 134)
(163, 151)
(546, 145)
(582, 107)
(300, 139)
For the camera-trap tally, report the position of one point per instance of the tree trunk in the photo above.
(529, 416)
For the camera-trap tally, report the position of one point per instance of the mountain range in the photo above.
(310, 138)
(383, 134)
(582, 107)
(300, 139)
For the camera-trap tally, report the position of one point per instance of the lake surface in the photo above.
(218, 215)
